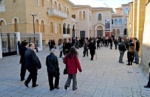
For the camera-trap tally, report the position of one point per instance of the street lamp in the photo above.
(33, 15)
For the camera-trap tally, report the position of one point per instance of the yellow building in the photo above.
(52, 17)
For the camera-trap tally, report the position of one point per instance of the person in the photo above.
(148, 84)
(130, 53)
(115, 43)
(53, 69)
(60, 48)
(72, 64)
(85, 51)
(22, 59)
(137, 48)
(32, 63)
(122, 49)
(49, 44)
(92, 49)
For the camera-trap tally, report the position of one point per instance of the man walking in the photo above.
(92, 49)
(122, 49)
(32, 65)
(52, 69)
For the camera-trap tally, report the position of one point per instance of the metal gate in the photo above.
(9, 44)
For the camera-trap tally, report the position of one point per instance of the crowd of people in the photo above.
(67, 47)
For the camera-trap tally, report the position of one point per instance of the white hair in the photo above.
(53, 50)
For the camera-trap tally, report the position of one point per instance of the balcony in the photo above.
(57, 13)
(2, 8)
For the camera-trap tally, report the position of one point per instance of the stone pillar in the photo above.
(17, 39)
(40, 46)
(0, 47)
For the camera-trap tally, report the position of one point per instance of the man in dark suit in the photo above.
(92, 49)
(22, 59)
(32, 65)
(52, 69)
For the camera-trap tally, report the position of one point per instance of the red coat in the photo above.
(72, 64)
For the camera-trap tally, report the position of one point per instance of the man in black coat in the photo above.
(92, 49)
(32, 65)
(52, 69)
(122, 49)
(22, 59)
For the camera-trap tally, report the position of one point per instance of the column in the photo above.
(40, 47)
(17, 39)
(0, 47)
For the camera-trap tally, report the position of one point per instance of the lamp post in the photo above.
(33, 15)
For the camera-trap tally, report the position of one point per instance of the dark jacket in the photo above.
(92, 48)
(137, 46)
(52, 63)
(31, 60)
(22, 53)
(122, 47)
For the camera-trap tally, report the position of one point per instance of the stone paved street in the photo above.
(103, 77)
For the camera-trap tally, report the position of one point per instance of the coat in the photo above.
(92, 48)
(32, 62)
(22, 53)
(72, 64)
(52, 64)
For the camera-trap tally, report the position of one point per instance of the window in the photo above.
(15, 25)
(80, 15)
(99, 17)
(126, 11)
(120, 21)
(83, 14)
(51, 27)
(42, 27)
(116, 22)
(74, 16)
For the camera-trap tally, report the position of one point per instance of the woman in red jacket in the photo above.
(72, 64)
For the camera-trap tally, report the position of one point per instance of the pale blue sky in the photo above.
(101, 3)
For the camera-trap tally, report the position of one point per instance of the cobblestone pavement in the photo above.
(103, 77)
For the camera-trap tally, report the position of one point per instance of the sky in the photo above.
(101, 3)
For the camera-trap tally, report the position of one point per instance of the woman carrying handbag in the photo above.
(72, 64)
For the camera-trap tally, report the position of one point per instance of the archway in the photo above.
(125, 31)
(99, 31)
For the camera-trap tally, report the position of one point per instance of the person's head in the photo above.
(73, 52)
(25, 44)
(32, 46)
(122, 40)
(53, 50)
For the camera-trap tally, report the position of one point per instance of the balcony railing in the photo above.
(2, 8)
(55, 12)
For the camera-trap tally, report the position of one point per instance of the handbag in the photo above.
(65, 71)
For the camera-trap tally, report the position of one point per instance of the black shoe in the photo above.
(26, 84)
(146, 86)
(74, 89)
(35, 85)
(65, 87)
(128, 64)
(51, 89)
(22, 79)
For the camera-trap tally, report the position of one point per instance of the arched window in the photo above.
(126, 11)
(99, 17)
(55, 4)
(36, 25)
(120, 21)
(68, 29)
(42, 28)
(2, 26)
(51, 27)
(80, 15)
(84, 15)
(59, 7)
(64, 28)
(15, 25)
(68, 12)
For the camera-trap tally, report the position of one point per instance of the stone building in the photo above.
(138, 26)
